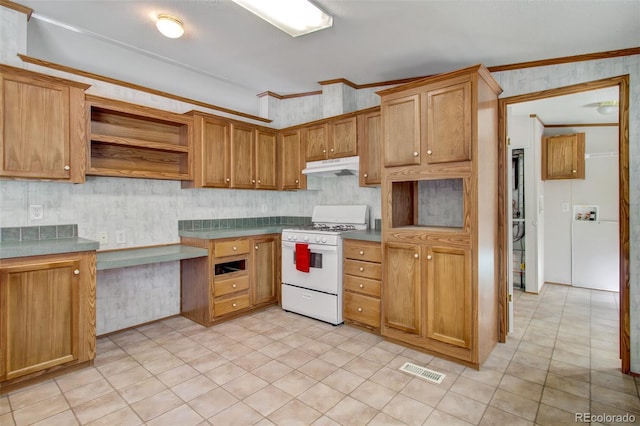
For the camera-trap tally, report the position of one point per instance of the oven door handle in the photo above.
(313, 247)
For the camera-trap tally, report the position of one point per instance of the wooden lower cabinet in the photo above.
(239, 275)
(362, 281)
(47, 315)
(428, 299)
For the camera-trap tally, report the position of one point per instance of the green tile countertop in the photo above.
(213, 234)
(368, 235)
(12, 249)
(146, 255)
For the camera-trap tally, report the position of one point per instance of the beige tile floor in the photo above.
(274, 367)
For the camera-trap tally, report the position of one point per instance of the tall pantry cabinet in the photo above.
(440, 209)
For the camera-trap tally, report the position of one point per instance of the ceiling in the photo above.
(370, 41)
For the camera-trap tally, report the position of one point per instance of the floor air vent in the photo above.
(425, 373)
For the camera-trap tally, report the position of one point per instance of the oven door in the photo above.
(325, 268)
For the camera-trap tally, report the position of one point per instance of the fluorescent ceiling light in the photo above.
(294, 17)
(169, 26)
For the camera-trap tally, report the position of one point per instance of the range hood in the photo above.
(347, 166)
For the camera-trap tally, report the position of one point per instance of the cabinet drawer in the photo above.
(361, 251)
(363, 309)
(362, 285)
(363, 269)
(225, 306)
(226, 286)
(231, 248)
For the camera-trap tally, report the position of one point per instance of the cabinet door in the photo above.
(316, 140)
(402, 288)
(291, 161)
(448, 294)
(370, 148)
(563, 156)
(34, 128)
(343, 137)
(265, 266)
(266, 145)
(39, 316)
(448, 127)
(214, 135)
(242, 156)
(401, 131)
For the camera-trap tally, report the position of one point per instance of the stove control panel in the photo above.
(310, 238)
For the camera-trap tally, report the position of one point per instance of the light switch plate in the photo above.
(565, 207)
(36, 212)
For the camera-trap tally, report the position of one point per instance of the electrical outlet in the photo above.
(103, 237)
(36, 212)
(121, 236)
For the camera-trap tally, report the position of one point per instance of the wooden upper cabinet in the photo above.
(242, 156)
(212, 149)
(401, 130)
(448, 295)
(563, 156)
(42, 126)
(402, 290)
(343, 140)
(316, 142)
(448, 123)
(370, 148)
(291, 160)
(266, 159)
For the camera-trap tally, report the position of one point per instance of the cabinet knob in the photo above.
(253, 181)
(228, 180)
(428, 257)
(429, 152)
(67, 168)
(416, 153)
(234, 305)
(256, 247)
(361, 269)
(324, 150)
(331, 150)
(574, 171)
(297, 181)
(235, 248)
(361, 252)
(259, 181)
(366, 175)
(361, 285)
(359, 309)
(416, 255)
(234, 285)
(76, 272)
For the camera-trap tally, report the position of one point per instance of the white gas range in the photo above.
(312, 261)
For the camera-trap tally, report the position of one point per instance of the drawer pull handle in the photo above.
(359, 309)
(361, 285)
(234, 285)
(361, 252)
(76, 272)
(234, 305)
(361, 269)
(235, 248)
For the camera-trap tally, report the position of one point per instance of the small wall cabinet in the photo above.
(563, 156)
(370, 147)
(240, 275)
(331, 138)
(291, 160)
(48, 318)
(129, 140)
(362, 281)
(42, 126)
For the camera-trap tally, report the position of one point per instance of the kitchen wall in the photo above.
(514, 82)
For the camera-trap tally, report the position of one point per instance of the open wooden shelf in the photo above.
(133, 141)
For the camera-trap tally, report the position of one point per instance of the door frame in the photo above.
(622, 82)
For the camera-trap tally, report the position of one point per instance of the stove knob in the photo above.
(295, 237)
(289, 237)
(324, 239)
(306, 238)
(317, 239)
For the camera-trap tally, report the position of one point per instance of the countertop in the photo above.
(12, 249)
(368, 235)
(212, 234)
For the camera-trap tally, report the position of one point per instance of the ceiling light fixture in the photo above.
(294, 17)
(169, 26)
(608, 107)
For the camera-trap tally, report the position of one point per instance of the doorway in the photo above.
(504, 234)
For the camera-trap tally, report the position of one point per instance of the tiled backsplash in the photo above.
(33, 233)
(245, 222)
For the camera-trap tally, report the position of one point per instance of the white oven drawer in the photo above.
(322, 306)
